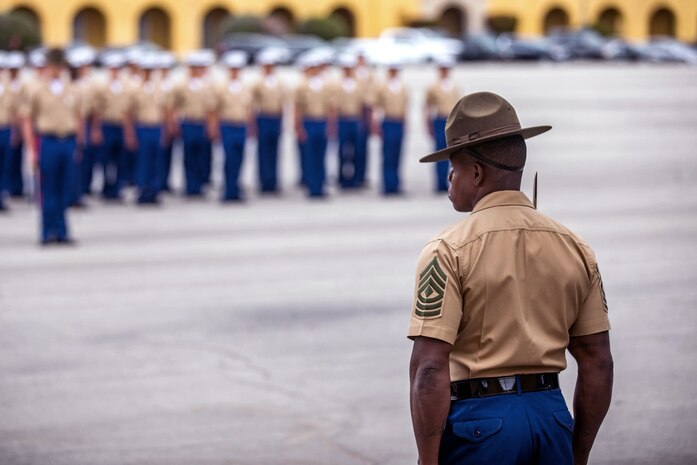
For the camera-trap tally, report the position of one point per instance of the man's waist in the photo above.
(516, 384)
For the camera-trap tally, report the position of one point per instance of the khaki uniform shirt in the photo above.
(350, 97)
(507, 287)
(55, 108)
(366, 78)
(148, 104)
(88, 90)
(268, 95)
(392, 98)
(442, 96)
(233, 102)
(194, 99)
(111, 100)
(7, 101)
(313, 98)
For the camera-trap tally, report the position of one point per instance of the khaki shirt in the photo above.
(111, 100)
(233, 102)
(55, 107)
(194, 99)
(349, 97)
(268, 95)
(366, 77)
(148, 104)
(88, 90)
(313, 98)
(442, 96)
(507, 287)
(7, 101)
(392, 98)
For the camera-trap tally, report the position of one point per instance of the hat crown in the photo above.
(479, 115)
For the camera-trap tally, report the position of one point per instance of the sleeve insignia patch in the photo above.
(429, 300)
(602, 288)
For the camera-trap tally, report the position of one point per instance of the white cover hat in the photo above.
(235, 59)
(200, 58)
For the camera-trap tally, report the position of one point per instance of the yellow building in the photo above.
(183, 25)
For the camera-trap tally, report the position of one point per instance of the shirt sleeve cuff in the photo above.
(441, 333)
(590, 327)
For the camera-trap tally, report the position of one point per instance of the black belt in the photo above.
(486, 387)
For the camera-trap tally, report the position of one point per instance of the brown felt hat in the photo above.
(478, 118)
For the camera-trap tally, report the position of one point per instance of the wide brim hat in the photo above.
(478, 118)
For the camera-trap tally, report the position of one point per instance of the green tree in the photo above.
(324, 28)
(17, 32)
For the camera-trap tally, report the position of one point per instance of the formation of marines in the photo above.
(67, 122)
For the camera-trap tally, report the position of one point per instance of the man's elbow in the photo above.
(429, 376)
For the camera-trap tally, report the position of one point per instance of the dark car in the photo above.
(513, 48)
(298, 44)
(479, 48)
(620, 49)
(583, 44)
(250, 43)
(667, 50)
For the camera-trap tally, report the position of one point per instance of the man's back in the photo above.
(524, 279)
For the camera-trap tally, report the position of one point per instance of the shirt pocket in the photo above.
(476, 431)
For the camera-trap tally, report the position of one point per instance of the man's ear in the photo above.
(478, 174)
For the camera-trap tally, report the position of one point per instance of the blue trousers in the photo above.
(349, 146)
(13, 182)
(166, 167)
(442, 167)
(518, 429)
(149, 158)
(90, 158)
(196, 144)
(56, 156)
(113, 161)
(362, 149)
(269, 132)
(75, 178)
(315, 152)
(4, 154)
(233, 137)
(392, 136)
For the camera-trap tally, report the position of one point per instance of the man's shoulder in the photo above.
(474, 227)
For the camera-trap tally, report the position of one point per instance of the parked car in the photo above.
(251, 43)
(513, 48)
(663, 49)
(584, 44)
(424, 42)
(620, 49)
(479, 47)
(298, 44)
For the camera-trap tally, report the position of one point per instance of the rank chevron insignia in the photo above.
(429, 300)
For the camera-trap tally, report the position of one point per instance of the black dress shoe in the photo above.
(66, 241)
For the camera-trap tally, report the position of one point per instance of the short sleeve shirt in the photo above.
(507, 287)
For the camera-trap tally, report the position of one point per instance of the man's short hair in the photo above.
(509, 151)
(55, 56)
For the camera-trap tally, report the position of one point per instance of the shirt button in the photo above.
(477, 433)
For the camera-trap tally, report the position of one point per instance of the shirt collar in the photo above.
(503, 199)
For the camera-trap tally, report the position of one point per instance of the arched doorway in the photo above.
(155, 27)
(282, 19)
(347, 19)
(554, 19)
(89, 26)
(213, 24)
(29, 15)
(662, 23)
(610, 22)
(453, 21)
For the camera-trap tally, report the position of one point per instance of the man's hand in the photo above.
(593, 390)
(429, 374)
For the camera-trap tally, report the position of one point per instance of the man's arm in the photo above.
(593, 390)
(429, 375)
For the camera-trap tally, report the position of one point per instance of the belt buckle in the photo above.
(507, 383)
